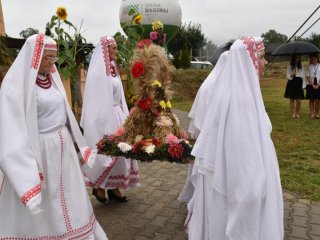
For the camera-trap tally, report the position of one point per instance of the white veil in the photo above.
(235, 144)
(203, 98)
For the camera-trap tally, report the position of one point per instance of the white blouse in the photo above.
(52, 113)
(117, 85)
(314, 71)
(299, 72)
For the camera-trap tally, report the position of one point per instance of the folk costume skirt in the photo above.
(65, 209)
(114, 172)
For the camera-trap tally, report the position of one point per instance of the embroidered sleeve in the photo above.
(32, 199)
(88, 156)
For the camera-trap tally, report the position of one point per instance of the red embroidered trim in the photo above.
(41, 176)
(50, 46)
(105, 42)
(86, 156)
(78, 233)
(123, 185)
(30, 194)
(62, 199)
(252, 50)
(37, 51)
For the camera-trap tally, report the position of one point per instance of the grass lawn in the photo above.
(297, 141)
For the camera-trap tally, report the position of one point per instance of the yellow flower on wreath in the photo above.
(163, 104)
(137, 19)
(62, 13)
(157, 25)
(169, 104)
(156, 83)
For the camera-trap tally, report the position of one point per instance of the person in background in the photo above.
(313, 87)
(42, 192)
(238, 193)
(295, 85)
(104, 111)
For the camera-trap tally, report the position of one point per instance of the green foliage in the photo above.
(185, 57)
(28, 32)
(272, 36)
(72, 52)
(314, 38)
(190, 33)
(6, 54)
(126, 46)
(176, 60)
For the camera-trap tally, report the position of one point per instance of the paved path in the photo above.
(154, 213)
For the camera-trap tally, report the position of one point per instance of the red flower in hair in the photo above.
(175, 150)
(137, 69)
(144, 103)
(144, 42)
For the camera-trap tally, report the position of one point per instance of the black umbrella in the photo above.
(219, 51)
(296, 47)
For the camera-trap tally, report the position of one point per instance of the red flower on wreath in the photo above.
(175, 150)
(137, 69)
(139, 145)
(100, 145)
(144, 103)
(144, 42)
(156, 142)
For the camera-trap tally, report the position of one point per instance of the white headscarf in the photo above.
(200, 105)
(97, 118)
(235, 144)
(19, 138)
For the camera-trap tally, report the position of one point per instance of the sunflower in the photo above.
(62, 13)
(137, 19)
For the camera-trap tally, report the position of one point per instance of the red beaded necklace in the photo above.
(43, 81)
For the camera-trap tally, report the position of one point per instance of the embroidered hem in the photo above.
(77, 233)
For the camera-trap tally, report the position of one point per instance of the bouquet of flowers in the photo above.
(157, 35)
(151, 131)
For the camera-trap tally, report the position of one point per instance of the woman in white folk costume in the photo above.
(104, 111)
(43, 194)
(197, 115)
(238, 192)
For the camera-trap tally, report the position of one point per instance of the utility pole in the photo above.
(2, 28)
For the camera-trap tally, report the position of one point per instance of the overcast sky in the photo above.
(221, 20)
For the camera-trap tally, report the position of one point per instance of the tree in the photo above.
(28, 32)
(185, 57)
(272, 36)
(176, 60)
(190, 33)
(315, 39)
(208, 50)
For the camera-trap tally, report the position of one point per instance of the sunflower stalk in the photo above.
(72, 51)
